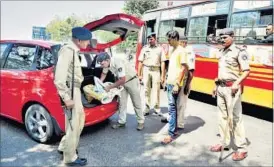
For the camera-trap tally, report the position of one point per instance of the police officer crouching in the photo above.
(126, 77)
(63, 82)
(233, 70)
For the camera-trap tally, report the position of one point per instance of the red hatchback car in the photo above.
(28, 94)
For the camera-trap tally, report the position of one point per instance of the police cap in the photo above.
(226, 31)
(81, 33)
(102, 57)
(153, 34)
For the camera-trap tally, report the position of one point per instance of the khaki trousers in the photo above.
(224, 102)
(69, 142)
(181, 108)
(132, 89)
(153, 77)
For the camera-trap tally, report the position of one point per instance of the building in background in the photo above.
(39, 33)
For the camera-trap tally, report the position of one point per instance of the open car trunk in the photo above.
(118, 25)
(121, 25)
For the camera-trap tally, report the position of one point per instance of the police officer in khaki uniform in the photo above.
(151, 62)
(63, 80)
(126, 77)
(233, 70)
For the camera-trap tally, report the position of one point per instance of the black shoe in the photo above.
(146, 114)
(60, 152)
(78, 162)
(164, 120)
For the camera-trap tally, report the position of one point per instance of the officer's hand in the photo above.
(175, 89)
(69, 104)
(214, 92)
(107, 88)
(234, 88)
(140, 77)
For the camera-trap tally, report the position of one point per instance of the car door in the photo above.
(4, 51)
(14, 77)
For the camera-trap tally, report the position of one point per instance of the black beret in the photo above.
(102, 57)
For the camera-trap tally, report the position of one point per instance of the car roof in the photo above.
(46, 44)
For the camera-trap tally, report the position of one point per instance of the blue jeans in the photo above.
(172, 110)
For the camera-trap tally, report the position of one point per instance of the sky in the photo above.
(18, 17)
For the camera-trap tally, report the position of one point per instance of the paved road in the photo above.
(104, 146)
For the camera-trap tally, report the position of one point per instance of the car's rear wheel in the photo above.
(38, 123)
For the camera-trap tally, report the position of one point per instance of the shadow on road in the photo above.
(193, 123)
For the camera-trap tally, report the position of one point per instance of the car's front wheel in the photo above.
(38, 123)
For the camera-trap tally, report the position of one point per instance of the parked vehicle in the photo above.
(28, 93)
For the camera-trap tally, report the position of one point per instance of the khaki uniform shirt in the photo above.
(63, 71)
(190, 58)
(120, 68)
(152, 56)
(232, 62)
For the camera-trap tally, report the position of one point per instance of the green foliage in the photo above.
(60, 29)
(139, 7)
(136, 8)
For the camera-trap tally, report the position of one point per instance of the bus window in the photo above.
(180, 26)
(216, 23)
(151, 26)
(198, 29)
(250, 26)
(266, 17)
(165, 26)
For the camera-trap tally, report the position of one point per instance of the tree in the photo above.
(60, 29)
(136, 8)
(139, 7)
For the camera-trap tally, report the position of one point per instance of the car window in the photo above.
(45, 59)
(20, 57)
(3, 48)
